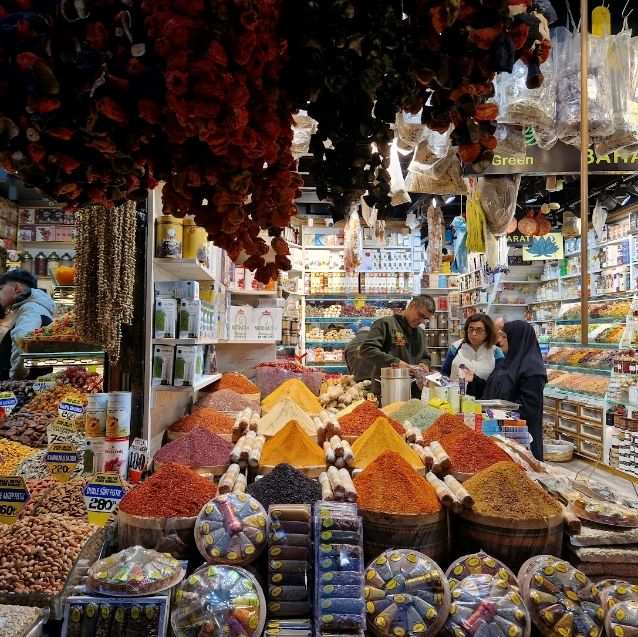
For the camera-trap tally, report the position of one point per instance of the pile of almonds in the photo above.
(37, 553)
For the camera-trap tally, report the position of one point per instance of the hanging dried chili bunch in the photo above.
(105, 274)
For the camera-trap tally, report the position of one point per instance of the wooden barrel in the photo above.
(166, 535)
(427, 533)
(510, 541)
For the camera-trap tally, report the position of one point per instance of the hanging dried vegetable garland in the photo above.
(105, 274)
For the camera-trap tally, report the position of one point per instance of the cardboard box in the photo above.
(65, 233)
(26, 216)
(26, 234)
(189, 363)
(241, 323)
(188, 290)
(190, 318)
(163, 360)
(49, 215)
(45, 233)
(267, 323)
(165, 318)
(165, 289)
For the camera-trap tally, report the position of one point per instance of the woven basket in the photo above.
(558, 451)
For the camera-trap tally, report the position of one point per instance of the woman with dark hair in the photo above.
(520, 377)
(477, 350)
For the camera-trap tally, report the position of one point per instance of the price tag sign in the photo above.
(138, 458)
(59, 433)
(61, 459)
(42, 384)
(13, 496)
(101, 497)
(8, 401)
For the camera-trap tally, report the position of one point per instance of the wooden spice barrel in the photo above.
(213, 471)
(511, 541)
(427, 533)
(166, 535)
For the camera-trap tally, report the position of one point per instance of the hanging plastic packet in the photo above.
(397, 183)
(498, 195)
(598, 220)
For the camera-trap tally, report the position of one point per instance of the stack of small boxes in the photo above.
(339, 567)
(180, 314)
(290, 563)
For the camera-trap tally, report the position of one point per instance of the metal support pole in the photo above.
(584, 174)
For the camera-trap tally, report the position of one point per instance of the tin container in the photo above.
(118, 414)
(395, 385)
(116, 456)
(169, 237)
(95, 424)
(195, 243)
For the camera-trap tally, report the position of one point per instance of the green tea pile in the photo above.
(503, 490)
(408, 410)
(425, 418)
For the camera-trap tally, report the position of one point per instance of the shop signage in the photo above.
(61, 459)
(545, 248)
(13, 496)
(101, 497)
(138, 458)
(8, 401)
(559, 160)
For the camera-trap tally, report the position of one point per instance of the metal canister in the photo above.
(26, 262)
(116, 456)
(195, 243)
(95, 425)
(169, 237)
(118, 414)
(40, 263)
(395, 385)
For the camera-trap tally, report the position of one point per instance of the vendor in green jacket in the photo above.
(398, 341)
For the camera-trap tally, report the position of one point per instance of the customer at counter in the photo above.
(520, 377)
(477, 350)
(399, 341)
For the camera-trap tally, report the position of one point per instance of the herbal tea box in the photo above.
(189, 363)
(241, 322)
(190, 318)
(267, 323)
(163, 358)
(165, 317)
(165, 289)
(188, 290)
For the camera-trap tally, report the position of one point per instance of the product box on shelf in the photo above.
(188, 290)
(26, 216)
(163, 360)
(165, 289)
(189, 362)
(49, 215)
(190, 318)
(45, 233)
(241, 323)
(65, 233)
(26, 234)
(165, 317)
(267, 323)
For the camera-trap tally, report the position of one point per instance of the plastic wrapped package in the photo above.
(510, 141)
(568, 89)
(134, 571)
(603, 512)
(623, 69)
(303, 130)
(289, 561)
(622, 620)
(398, 191)
(561, 599)
(406, 594)
(435, 238)
(339, 592)
(615, 591)
(486, 599)
(231, 529)
(353, 241)
(219, 600)
(521, 106)
(498, 195)
(445, 177)
(432, 149)
(409, 130)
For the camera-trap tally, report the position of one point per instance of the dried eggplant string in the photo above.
(105, 265)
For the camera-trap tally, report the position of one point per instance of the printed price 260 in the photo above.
(101, 504)
(8, 509)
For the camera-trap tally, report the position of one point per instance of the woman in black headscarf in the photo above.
(520, 378)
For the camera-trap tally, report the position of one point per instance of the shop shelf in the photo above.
(568, 407)
(240, 292)
(204, 382)
(570, 276)
(184, 269)
(338, 319)
(590, 449)
(341, 247)
(326, 343)
(592, 345)
(262, 341)
(608, 243)
(508, 304)
(591, 431)
(482, 304)
(592, 414)
(184, 341)
(568, 437)
(370, 296)
(551, 403)
(592, 319)
(582, 370)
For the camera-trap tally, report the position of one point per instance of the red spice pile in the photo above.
(362, 417)
(470, 451)
(208, 418)
(175, 491)
(197, 448)
(237, 382)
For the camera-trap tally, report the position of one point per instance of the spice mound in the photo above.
(285, 485)
(175, 491)
(504, 491)
(37, 553)
(470, 451)
(362, 417)
(292, 445)
(281, 413)
(379, 438)
(12, 454)
(408, 410)
(197, 448)
(237, 382)
(294, 389)
(208, 418)
(391, 485)
(225, 400)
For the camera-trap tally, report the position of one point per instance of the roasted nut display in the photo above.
(12, 454)
(27, 427)
(37, 553)
(15, 620)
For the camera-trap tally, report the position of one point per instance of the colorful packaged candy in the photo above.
(622, 620)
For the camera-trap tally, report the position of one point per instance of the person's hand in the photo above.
(425, 367)
(404, 365)
(7, 320)
(469, 375)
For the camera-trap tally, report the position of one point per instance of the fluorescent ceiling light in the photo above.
(450, 199)
(532, 200)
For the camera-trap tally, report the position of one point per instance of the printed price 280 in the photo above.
(8, 509)
(101, 504)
